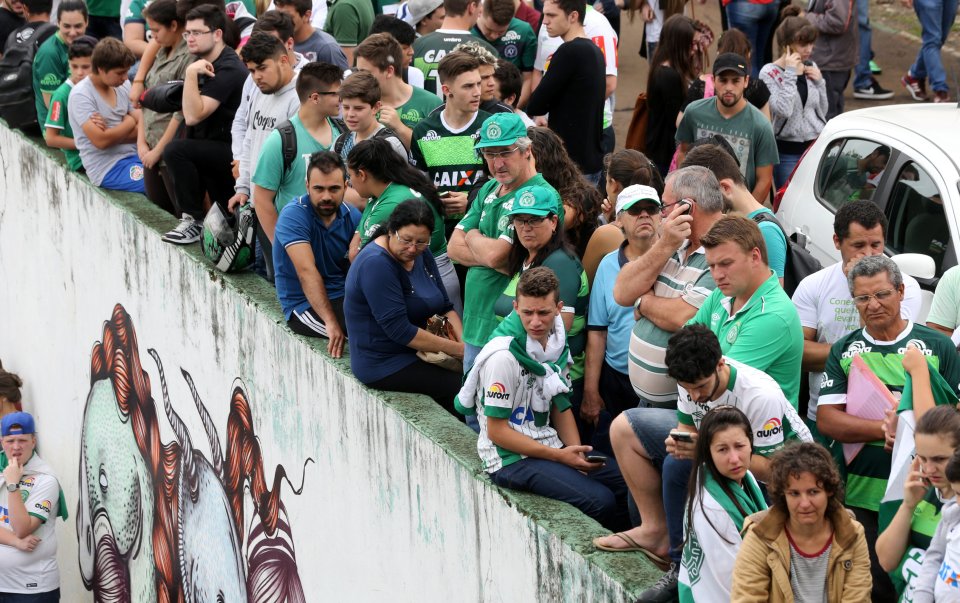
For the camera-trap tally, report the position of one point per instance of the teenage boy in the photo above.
(509, 86)
(488, 86)
(57, 130)
(429, 50)
(406, 36)
(105, 122)
(402, 105)
(313, 44)
(573, 90)
(51, 61)
(513, 39)
(360, 101)
(443, 142)
(273, 102)
(212, 90)
(274, 183)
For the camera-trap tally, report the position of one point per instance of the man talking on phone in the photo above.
(519, 390)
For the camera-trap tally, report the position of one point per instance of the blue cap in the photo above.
(17, 423)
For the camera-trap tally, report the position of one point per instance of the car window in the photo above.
(917, 223)
(850, 170)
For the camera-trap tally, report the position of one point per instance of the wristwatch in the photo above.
(636, 305)
(13, 487)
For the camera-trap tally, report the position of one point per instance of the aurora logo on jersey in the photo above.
(772, 427)
(919, 344)
(497, 391)
(457, 178)
(855, 349)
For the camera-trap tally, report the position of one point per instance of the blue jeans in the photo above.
(782, 170)
(52, 596)
(756, 21)
(936, 18)
(601, 494)
(862, 76)
(470, 353)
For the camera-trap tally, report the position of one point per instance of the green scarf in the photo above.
(62, 503)
(749, 496)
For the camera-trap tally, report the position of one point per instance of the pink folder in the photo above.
(867, 398)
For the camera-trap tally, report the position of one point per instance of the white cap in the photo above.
(636, 192)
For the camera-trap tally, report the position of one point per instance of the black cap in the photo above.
(730, 61)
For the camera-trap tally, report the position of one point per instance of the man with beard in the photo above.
(311, 243)
(747, 130)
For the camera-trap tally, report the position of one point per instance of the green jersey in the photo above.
(518, 45)
(746, 335)
(50, 69)
(429, 49)
(104, 8)
(349, 21)
(378, 211)
(488, 214)
(575, 295)
(57, 120)
(269, 172)
(868, 472)
(420, 104)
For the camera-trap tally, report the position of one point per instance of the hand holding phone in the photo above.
(597, 458)
(682, 436)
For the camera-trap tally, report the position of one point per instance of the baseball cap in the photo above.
(629, 196)
(501, 130)
(415, 11)
(535, 200)
(730, 61)
(17, 423)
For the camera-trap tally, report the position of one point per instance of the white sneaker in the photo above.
(187, 231)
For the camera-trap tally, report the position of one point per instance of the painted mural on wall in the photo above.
(158, 521)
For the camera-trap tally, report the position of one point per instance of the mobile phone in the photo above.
(808, 63)
(687, 204)
(596, 458)
(682, 436)
(445, 194)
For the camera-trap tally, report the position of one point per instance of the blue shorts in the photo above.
(652, 426)
(125, 175)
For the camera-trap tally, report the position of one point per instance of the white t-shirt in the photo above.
(653, 28)
(34, 572)
(824, 303)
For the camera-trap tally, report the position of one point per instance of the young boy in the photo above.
(105, 123)
(360, 100)
(57, 130)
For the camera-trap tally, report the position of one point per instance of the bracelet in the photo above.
(137, 81)
(636, 304)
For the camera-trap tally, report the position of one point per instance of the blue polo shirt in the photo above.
(299, 223)
(607, 315)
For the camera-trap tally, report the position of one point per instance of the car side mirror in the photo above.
(917, 265)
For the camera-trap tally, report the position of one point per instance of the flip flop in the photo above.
(632, 546)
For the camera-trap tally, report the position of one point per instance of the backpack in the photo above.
(341, 141)
(17, 101)
(288, 142)
(799, 263)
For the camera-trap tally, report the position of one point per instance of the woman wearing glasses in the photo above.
(387, 180)
(393, 289)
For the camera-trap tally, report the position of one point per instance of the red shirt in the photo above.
(530, 15)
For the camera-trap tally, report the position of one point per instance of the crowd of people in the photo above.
(438, 194)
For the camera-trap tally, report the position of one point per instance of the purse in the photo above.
(438, 325)
(164, 98)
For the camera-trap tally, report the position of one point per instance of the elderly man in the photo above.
(29, 505)
(876, 286)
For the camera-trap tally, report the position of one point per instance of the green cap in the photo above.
(534, 200)
(501, 130)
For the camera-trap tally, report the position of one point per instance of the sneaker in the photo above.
(187, 231)
(941, 96)
(916, 87)
(874, 68)
(665, 590)
(873, 92)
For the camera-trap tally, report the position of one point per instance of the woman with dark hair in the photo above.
(721, 495)
(157, 129)
(807, 546)
(926, 489)
(387, 180)
(675, 66)
(581, 200)
(798, 94)
(393, 290)
(732, 40)
(10, 396)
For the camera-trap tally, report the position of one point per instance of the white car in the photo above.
(903, 158)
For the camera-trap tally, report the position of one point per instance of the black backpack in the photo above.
(17, 104)
(799, 264)
(288, 142)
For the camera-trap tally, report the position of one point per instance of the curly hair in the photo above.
(693, 353)
(809, 457)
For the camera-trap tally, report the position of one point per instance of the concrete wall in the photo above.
(392, 504)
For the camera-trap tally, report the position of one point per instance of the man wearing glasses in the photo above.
(200, 164)
(876, 286)
(483, 238)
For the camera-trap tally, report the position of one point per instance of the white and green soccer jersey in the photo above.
(772, 417)
(429, 49)
(868, 472)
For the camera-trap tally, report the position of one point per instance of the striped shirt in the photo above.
(690, 280)
(808, 573)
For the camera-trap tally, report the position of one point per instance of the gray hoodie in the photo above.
(836, 46)
(792, 120)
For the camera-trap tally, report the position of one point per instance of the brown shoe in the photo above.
(941, 96)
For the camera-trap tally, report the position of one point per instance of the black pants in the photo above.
(310, 324)
(198, 167)
(883, 590)
(104, 27)
(424, 378)
(159, 187)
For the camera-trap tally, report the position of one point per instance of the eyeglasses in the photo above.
(491, 155)
(636, 210)
(528, 222)
(404, 242)
(666, 209)
(195, 34)
(880, 296)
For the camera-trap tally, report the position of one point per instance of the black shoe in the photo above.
(665, 590)
(872, 92)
